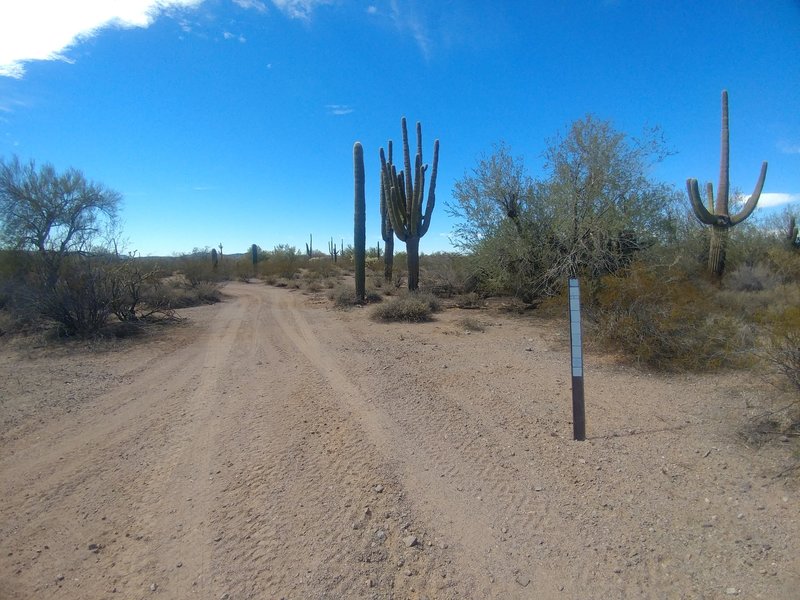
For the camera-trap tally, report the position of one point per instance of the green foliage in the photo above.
(412, 307)
(660, 317)
(593, 214)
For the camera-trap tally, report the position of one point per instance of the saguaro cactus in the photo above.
(332, 250)
(254, 253)
(717, 215)
(387, 233)
(792, 233)
(403, 196)
(360, 222)
(214, 258)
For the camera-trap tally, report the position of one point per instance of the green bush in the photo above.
(410, 308)
(667, 321)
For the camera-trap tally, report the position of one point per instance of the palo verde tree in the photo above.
(592, 212)
(717, 215)
(404, 192)
(53, 214)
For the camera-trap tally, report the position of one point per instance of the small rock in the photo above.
(370, 583)
(410, 540)
(731, 591)
(153, 587)
(179, 565)
(523, 580)
(60, 577)
(378, 489)
(225, 596)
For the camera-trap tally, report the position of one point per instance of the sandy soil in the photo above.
(271, 447)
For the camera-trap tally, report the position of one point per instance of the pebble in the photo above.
(523, 580)
(410, 540)
(153, 587)
(731, 591)
(378, 489)
(60, 577)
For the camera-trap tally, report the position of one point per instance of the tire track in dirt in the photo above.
(412, 431)
(301, 514)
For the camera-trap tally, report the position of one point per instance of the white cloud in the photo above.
(254, 4)
(788, 148)
(232, 36)
(339, 109)
(777, 199)
(298, 9)
(44, 29)
(372, 10)
(406, 19)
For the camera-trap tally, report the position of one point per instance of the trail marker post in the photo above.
(576, 354)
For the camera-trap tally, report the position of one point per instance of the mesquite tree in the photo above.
(359, 218)
(404, 196)
(717, 215)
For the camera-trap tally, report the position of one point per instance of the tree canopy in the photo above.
(594, 209)
(50, 212)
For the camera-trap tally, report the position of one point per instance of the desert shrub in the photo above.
(444, 274)
(322, 267)
(345, 296)
(752, 278)
(81, 299)
(663, 319)
(470, 324)
(782, 347)
(470, 300)
(413, 307)
(174, 295)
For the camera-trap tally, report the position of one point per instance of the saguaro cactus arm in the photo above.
(426, 219)
(701, 212)
(752, 201)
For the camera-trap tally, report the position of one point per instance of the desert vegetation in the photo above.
(668, 283)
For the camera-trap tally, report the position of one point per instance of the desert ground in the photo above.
(271, 446)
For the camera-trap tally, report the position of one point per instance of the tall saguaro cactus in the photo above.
(717, 215)
(360, 222)
(387, 233)
(404, 196)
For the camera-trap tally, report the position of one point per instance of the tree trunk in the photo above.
(716, 252)
(412, 249)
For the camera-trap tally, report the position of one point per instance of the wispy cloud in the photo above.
(26, 34)
(769, 200)
(252, 4)
(339, 109)
(406, 18)
(788, 148)
(299, 9)
(232, 36)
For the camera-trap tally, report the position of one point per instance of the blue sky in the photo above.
(233, 121)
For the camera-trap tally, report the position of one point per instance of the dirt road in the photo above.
(273, 448)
